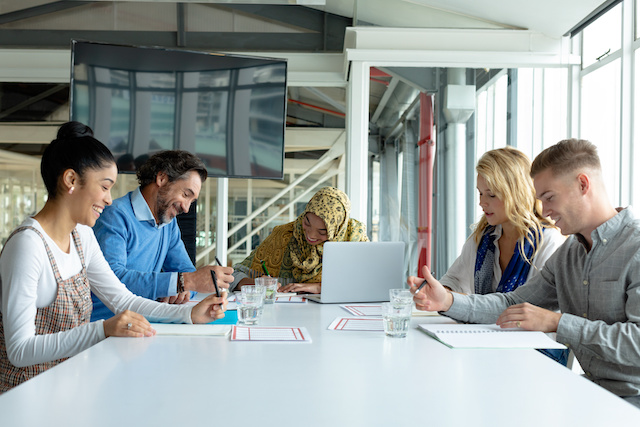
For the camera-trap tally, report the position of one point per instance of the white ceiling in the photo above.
(551, 17)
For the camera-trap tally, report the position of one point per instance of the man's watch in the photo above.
(180, 283)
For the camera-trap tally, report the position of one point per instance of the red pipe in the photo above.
(315, 107)
(427, 147)
(376, 72)
(379, 81)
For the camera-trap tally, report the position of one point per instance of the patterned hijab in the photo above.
(333, 207)
(287, 253)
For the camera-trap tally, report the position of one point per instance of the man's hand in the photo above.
(530, 317)
(201, 281)
(433, 296)
(180, 298)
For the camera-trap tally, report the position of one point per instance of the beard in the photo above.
(163, 205)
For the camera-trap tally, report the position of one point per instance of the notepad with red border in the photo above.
(269, 333)
(357, 324)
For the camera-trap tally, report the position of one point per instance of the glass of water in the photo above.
(271, 286)
(400, 297)
(250, 303)
(396, 319)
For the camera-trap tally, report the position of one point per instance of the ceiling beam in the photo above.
(43, 9)
(209, 41)
(32, 100)
(52, 66)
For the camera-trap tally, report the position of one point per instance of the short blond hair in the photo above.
(566, 156)
(506, 171)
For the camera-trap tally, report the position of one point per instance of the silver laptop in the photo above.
(360, 271)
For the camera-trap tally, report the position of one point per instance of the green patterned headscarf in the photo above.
(333, 207)
(286, 253)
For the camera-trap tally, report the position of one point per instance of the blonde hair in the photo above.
(506, 171)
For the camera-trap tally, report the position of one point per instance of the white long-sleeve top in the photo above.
(28, 283)
(459, 276)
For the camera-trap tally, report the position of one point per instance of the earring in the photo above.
(71, 190)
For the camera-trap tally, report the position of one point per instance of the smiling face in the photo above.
(315, 230)
(92, 194)
(491, 205)
(175, 197)
(561, 200)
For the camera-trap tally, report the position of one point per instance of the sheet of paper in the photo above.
(363, 309)
(419, 313)
(291, 300)
(357, 324)
(184, 329)
(269, 333)
(286, 294)
(488, 336)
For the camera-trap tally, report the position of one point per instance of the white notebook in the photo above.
(185, 329)
(488, 336)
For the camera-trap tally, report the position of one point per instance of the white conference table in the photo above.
(341, 378)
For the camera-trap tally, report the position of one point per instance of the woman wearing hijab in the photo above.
(294, 251)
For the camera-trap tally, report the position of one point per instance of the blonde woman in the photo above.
(512, 240)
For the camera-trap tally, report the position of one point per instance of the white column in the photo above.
(455, 198)
(207, 217)
(357, 149)
(249, 211)
(626, 105)
(292, 195)
(222, 216)
(459, 104)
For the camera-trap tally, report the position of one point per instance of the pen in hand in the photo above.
(215, 282)
(422, 285)
(218, 261)
(264, 268)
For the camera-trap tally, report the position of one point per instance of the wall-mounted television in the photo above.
(229, 110)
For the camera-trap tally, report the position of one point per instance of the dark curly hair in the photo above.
(175, 163)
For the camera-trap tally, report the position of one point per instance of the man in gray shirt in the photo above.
(593, 279)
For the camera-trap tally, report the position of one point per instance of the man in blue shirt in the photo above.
(140, 238)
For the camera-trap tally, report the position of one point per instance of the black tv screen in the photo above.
(229, 110)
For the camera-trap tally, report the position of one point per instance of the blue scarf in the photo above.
(514, 275)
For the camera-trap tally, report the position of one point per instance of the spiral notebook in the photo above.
(488, 336)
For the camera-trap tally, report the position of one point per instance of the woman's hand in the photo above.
(128, 324)
(209, 309)
(433, 296)
(312, 288)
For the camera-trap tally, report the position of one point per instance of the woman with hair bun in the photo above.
(51, 263)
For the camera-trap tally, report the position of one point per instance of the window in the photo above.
(602, 37)
(600, 121)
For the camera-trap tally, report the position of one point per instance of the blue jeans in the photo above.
(560, 356)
